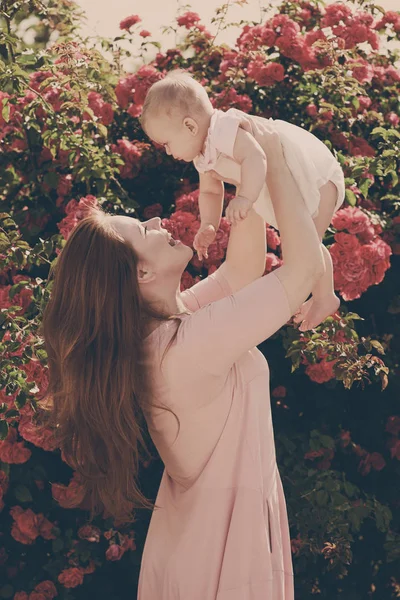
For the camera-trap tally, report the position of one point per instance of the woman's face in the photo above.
(156, 249)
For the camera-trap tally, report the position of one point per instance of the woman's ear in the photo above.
(145, 275)
(191, 125)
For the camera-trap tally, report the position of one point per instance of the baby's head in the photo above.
(176, 114)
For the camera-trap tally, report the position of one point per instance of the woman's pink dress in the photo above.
(220, 529)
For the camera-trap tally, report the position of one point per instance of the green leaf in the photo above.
(322, 498)
(349, 488)
(383, 517)
(6, 110)
(22, 493)
(102, 129)
(3, 430)
(327, 441)
(378, 346)
(51, 179)
(57, 545)
(351, 198)
(7, 591)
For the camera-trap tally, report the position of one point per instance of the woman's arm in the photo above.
(215, 336)
(303, 262)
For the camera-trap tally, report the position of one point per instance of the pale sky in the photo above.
(103, 17)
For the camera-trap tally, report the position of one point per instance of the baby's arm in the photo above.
(211, 201)
(251, 157)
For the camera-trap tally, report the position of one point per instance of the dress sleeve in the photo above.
(216, 335)
(212, 288)
(226, 128)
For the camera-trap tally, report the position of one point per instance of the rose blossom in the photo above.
(128, 22)
(28, 526)
(47, 588)
(13, 452)
(71, 578)
(352, 219)
(393, 425)
(89, 533)
(114, 552)
(279, 392)
(394, 446)
(68, 495)
(188, 20)
(322, 371)
(374, 460)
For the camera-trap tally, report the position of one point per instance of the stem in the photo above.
(7, 19)
(221, 20)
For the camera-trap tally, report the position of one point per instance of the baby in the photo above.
(227, 147)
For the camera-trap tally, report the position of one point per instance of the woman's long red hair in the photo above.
(94, 328)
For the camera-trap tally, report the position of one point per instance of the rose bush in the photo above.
(70, 139)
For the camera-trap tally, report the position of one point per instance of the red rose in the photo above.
(89, 533)
(68, 496)
(279, 392)
(71, 578)
(144, 33)
(311, 110)
(114, 552)
(154, 210)
(43, 438)
(64, 185)
(25, 528)
(46, 528)
(48, 589)
(128, 22)
(271, 262)
(321, 372)
(345, 438)
(392, 426)
(21, 596)
(188, 20)
(394, 446)
(273, 239)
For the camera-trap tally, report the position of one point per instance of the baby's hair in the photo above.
(177, 93)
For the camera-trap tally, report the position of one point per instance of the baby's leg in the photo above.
(323, 302)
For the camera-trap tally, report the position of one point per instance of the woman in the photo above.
(122, 342)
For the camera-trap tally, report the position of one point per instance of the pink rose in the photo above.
(352, 219)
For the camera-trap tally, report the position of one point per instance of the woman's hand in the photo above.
(269, 140)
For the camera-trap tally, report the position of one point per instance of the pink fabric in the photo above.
(309, 160)
(220, 529)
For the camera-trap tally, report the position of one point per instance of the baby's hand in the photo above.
(237, 209)
(204, 237)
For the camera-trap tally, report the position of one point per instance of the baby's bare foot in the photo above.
(314, 311)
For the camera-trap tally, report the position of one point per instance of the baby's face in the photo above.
(180, 136)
